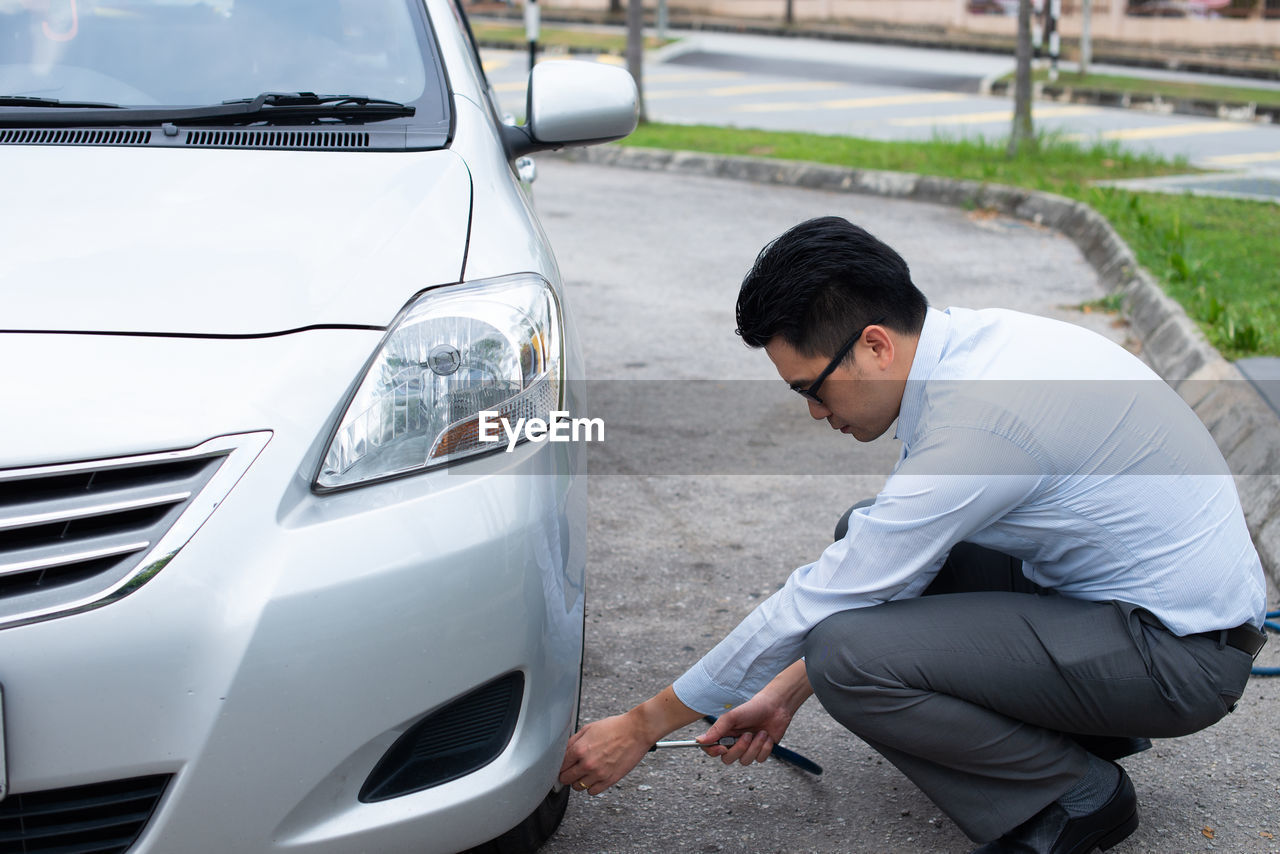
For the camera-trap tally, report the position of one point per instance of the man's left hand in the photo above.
(602, 753)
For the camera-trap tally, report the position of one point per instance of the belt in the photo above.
(1244, 637)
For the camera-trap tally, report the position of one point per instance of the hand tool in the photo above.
(727, 741)
(783, 754)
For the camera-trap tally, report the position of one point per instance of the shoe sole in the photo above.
(1119, 834)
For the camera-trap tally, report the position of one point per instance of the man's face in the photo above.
(861, 397)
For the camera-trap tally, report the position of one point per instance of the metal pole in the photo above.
(532, 24)
(1055, 12)
(1086, 41)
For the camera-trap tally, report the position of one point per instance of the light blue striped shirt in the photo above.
(1041, 440)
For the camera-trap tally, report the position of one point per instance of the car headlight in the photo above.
(452, 353)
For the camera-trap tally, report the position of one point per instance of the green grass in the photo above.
(488, 32)
(1169, 89)
(1220, 258)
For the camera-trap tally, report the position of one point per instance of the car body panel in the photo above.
(274, 660)
(224, 242)
(156, 299)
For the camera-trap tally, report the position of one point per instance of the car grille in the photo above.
(103, 818)
(75, 536)
(453, 741)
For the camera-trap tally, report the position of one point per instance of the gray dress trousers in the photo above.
(978, 690)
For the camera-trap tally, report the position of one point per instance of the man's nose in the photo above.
(818, 411)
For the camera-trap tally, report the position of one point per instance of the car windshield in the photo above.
(138, 53)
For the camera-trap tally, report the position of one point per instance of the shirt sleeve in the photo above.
(954, 482)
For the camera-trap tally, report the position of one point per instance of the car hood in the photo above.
(223, 242)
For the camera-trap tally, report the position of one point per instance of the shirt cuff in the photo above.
(696, 690)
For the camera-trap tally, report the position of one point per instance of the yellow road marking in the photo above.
(496, 63)
(610, 59)
(1243, 159)
(1195, 129)
(511, 86)
(760, 88)
(682, 77)
(729, 91)
(992, 116)
(853, 103)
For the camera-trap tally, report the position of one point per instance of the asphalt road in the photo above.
(887, 93)
(678, 556)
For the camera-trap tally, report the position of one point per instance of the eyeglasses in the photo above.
(811, 392)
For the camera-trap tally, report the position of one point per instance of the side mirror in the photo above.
(574, 103)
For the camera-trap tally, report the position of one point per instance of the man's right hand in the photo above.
(759, 723)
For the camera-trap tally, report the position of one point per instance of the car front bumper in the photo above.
(275, 659)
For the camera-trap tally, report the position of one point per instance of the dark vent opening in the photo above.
(454, 741)
(91, 482)
(279, 139)
(39, 580)
(67, 533)
(51, 136)
(104, 818)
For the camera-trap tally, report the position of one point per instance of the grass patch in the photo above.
(1218, 257)
(1169, 89)
(489, 32)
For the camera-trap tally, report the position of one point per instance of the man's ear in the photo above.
(880, 340)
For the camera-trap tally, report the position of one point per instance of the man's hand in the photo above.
(602, 753)
(760, 722)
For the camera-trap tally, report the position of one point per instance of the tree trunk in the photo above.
(1022, 135)
(615, 7)
(635, 48)
(791, 12)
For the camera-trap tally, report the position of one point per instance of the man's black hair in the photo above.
(822, 281)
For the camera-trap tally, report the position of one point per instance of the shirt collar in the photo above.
(933, 339)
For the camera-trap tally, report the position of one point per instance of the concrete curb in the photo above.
(1246, 429)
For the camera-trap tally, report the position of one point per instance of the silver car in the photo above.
(264, 584)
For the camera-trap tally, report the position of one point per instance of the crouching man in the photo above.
(1056, 570)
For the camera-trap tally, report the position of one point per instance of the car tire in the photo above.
(528, 836)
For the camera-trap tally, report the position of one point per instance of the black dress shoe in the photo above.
(1052, 831)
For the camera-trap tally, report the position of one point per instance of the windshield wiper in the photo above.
(33, 101)
(271, 107)
(308, 99)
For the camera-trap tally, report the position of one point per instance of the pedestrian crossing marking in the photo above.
(1166, 131)
(1243, 159)
(510, 86)
(853, 103)
(990, 117)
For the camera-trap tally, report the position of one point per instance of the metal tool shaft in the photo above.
(727, 741)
